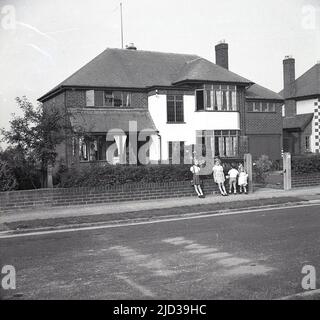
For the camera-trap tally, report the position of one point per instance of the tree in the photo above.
(36, 133)
(7, 178)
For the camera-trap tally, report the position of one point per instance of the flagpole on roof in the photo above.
(121, 25)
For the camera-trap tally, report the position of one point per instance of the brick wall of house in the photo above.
(75, 98)
(264, 122)
(305, 180)
(46, 198)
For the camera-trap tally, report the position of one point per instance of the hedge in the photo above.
(305, 164)
(95, 175)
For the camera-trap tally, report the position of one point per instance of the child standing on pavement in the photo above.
(243, 180)
(233, 174)
(195, 169)
(218, 176)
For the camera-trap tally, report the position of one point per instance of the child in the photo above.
(243, 180)
(233, 174)
(218, 176)
(195, 169)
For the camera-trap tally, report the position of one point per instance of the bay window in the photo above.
(92, 148)
(222, 143)
(217, 98)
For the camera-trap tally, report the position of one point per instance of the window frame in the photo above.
(271, 107)
(123, 94)
(217, 93)
(175, 113)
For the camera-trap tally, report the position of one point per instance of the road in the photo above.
(256, 255)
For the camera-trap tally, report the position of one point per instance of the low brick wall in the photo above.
(305, 180)
(46, 198)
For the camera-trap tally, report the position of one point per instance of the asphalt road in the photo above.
(256, 255)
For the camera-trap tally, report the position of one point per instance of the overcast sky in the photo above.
(42, 41)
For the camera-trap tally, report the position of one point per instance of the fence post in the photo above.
(49, 176)
(287, 171)
(248, 168)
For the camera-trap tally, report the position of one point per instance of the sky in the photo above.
(42, 42)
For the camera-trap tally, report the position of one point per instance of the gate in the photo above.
(268, 173)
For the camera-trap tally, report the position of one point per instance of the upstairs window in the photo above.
(258, 106)
(175, 108)
(90, 98)
(107, 98)
(217, 98)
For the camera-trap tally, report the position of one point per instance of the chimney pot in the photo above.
(131, 46)
(222, 58)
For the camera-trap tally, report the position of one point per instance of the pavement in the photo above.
(248, 255)
(309, 193)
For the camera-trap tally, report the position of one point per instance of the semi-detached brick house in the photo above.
(175, 99)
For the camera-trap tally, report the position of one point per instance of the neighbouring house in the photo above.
(127, 102)
(302, 105)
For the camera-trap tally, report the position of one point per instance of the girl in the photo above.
(243, 180)
(195, 169)
(218, 176)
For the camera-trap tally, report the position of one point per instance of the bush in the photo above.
(262, 168)
(8, 181)
(305, 164)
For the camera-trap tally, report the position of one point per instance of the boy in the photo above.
(233, 174)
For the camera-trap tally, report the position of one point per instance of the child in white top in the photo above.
(233, 174)
(243, 180)
(195, 169)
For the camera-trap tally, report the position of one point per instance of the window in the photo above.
(222, 143)
(260, 106)
(200, 100)
(217, 98)
(90, 98)
(175, 108)
(176, 152)
(92, 148)
(257, 106)
(107, 98)
(226, 143)
(307, 143)
(250, 106)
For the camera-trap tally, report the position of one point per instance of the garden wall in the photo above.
(46, 198)
(305, 180)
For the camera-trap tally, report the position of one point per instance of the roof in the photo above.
(123, 68)
(202, 69)
(308, 84)
(258, 92)
(299, 121)
(102, 120)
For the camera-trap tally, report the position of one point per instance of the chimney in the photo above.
(222, 54)
(289, 90)
(131, 46)
(289, 77)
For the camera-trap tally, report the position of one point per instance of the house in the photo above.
(129, 105)
(302, 105)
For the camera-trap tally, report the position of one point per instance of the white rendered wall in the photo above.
(307, 106)
(193, 121)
